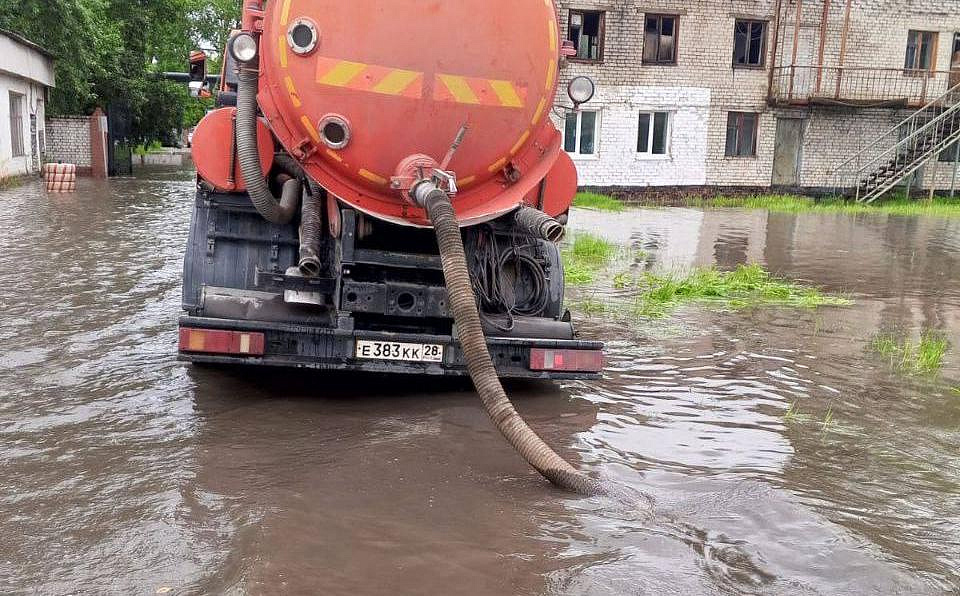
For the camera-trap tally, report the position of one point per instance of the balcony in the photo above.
(858, 87)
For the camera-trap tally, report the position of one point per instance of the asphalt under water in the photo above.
(786, 456)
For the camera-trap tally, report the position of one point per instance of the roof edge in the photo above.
(26, 42)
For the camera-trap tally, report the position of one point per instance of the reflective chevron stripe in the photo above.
(475, 91)
(369, 77)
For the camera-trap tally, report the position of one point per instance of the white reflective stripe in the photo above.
(245, 343)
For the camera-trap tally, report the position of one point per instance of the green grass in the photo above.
(153, 147)
(585, 257)
(894, 205)
(748, 285)
(12, 182)
(793, 415)
(592, 200)
(924, 356)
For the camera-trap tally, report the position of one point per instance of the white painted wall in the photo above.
(617, 163)
(28, 72)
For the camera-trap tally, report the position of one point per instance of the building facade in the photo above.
(749, 93)
(26, 73)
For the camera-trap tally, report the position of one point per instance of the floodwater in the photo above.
(786, 457)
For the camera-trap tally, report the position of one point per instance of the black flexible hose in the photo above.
(463, 305)
(248, 154)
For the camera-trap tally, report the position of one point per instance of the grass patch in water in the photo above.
(748, 285)
(893, 205)
(585, 257)
(924, 356)
(793, 415)
(600, 202)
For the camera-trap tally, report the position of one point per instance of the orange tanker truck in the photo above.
(382, 189)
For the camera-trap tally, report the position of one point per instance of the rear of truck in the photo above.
(379, 303)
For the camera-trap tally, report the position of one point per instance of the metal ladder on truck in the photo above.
(896, 154)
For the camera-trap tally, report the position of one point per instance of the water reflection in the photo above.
(785, 457)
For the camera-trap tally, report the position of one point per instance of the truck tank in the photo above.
(364, 92)
(382, 190)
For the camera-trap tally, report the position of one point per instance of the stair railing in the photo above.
(934, 117)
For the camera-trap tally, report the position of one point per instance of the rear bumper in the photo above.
(301, 346)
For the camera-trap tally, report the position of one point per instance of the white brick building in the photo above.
(733, 93)
(26, 72)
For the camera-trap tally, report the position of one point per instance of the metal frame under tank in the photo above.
(379, 283)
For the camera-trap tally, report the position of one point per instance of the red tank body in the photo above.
(404, 77)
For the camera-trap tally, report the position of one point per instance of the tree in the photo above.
(110, 53)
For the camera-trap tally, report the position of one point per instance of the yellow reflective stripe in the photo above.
(466, 181)
(498, 166)
(334, 155)
(310, 129)
(292, 90)
(459, 88)
(520, 142)
(553, 36)
(283, 51)
(396, 82)
(551, 74)
(540, 108)
(342, 73)
(373, 177)
(285, 13)
(507, 94)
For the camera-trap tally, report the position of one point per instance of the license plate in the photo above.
(390, 350)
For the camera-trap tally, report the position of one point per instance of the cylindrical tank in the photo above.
(360, 90)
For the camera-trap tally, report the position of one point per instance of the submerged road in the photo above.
(794, 460)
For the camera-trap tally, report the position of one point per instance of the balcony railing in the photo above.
(855, 86)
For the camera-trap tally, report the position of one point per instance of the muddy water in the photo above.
(123, 471)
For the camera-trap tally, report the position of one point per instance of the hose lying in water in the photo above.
(463, 305)
(248, 154)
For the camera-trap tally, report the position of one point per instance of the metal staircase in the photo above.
(896, 154)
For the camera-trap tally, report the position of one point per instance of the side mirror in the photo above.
(198, 67)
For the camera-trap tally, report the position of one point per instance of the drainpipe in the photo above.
(773, 54)
(843, 46)
(796, 45)
(824, 20)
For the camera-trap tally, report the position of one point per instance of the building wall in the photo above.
(68, 141)
(704, 86)
(617, 161)
(27, 71)
(33, 139)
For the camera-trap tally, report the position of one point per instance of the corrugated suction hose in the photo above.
(463, 305)
(311, 228)
(538, 224)
(248, 154)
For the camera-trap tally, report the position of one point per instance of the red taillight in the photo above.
(212, 341)
(566, 360)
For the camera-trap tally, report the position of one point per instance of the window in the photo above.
(653, 137)
(660, 39)
(580, 133)
(742, 134)
(921, 50)
(951, 153)
(750, 43)
(16, 124)
(586, 33)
